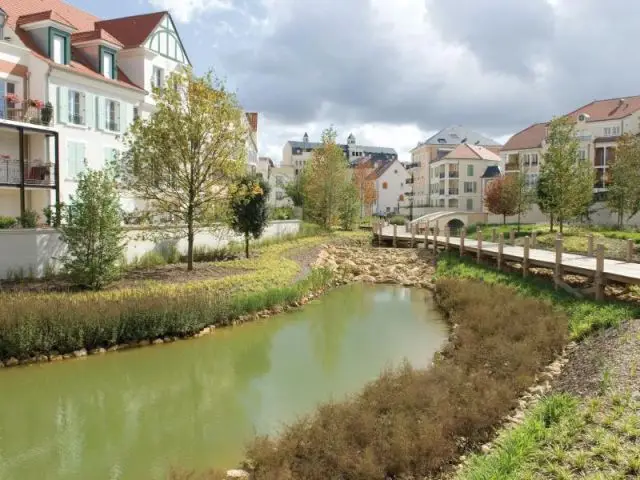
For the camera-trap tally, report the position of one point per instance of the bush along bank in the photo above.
(415, 423)
(49, 327)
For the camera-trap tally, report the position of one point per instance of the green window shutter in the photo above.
(469, 170)
(89, 115)
(63, 104)
(100, 108)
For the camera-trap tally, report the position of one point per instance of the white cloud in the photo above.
(187, 10)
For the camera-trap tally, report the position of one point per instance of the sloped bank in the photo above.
(415, 423)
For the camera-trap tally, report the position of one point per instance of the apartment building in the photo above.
(457, 178)
(295, 154)
(435, 148)
(599, 124)
(390, 178)
(70, 85)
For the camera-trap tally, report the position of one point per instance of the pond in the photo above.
(194, 404)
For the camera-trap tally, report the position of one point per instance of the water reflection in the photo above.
(194, 404)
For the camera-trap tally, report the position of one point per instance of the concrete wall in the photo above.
(33, 250)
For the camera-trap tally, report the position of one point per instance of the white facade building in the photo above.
(390, 179)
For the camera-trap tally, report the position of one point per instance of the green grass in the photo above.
(516, 446)
(585, 316)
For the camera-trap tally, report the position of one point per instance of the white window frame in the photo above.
(58, 56)
(107, 69)
(81, 107)
(108, 123)
(73, 171)
(157, 77)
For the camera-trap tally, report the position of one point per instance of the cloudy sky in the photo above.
(394, 71)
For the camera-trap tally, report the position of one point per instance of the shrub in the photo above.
(397, 220)
(93, 231)
(249, 211)
(281, 213)
(28, 219)
(150, 259)
(411, 423)
(7, 222)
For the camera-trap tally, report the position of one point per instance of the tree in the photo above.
(523, 195)
(623, 196)
(543, 199)
(365, 187)
(568, 181)
(348, 211)
(249, 211)
(500, 197)
(93, 231)
(295, 191)
(326, 181)
(184, 158)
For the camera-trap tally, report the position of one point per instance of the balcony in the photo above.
(453, 191)
(409, 181)
(29, 111)
(441, 174)
(441, 191)
(454, 174)
(512, 165)
(36, 173)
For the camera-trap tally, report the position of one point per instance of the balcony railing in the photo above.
(441, 191)
(26, 112)
(453, 174)
(36, 173)
(513, 165)
(441, 174)
(453, 191)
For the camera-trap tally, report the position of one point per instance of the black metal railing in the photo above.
(453, 174)
(453, 191)
(26, 112)
(36, 173)
(441, 174)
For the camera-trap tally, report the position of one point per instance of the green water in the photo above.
(194, 404)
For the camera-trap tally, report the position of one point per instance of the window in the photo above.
(401, 198)
(108, 66)
(76, 107)
(469, 170)
(157, 80)
(534, 159)
(582, 155)
(110, 155)
(470, 187)
(469, 204)
(58, 49)
(75, 159)
(113, 115)
(611, 131)
(279, 182)
(385, 185)
(136, 113)
(279, 195)
(615, 131)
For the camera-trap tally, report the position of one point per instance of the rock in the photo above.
(237, 473)
(365, 279)
(55, 358)
(205, 331)
(80, 353)
(67, 356)
(1, 364)
(113, 348)
(12, 362)
(144, 343)
(97, 351)
(42, 358)
(158, 341)
(167, 339)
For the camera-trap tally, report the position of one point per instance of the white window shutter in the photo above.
(63, 104)
(80, 154)
(122, 114)
(89, 112)
(71, 159)
(100, 117)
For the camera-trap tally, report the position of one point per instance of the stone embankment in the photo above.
(411, 268)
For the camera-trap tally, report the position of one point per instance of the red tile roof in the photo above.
(128, 31)
(610, 109)
(39, 16)
(132, 31)
(465, 151)
(530, 137)
(98, 34)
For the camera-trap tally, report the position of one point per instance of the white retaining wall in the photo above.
(29, 251)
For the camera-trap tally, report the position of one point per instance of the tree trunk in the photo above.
(551, 222)
(246, 245)
(504, 218)
(519, 222)
(561, 224)
(190, 238)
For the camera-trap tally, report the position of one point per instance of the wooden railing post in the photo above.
(494, 235)
(413, 235)
(599, 277)
(630, 248)
(525, 257)
(557, 274)
(500, 249)
(447, 233)
(534, 239)
(512, 237)
(463, 233)
(380, 230)
(406, 226)
(426, 236)
(590, 245)
(436, 231)
(395, 235)
(479, 246)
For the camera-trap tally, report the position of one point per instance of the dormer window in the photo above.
(108, 62)
(59, 46)
(3, 21)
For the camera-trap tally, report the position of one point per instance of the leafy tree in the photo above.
(349, 207)
(623, 196)
(184, 158)
(326, 182)
(568, 182)
(543, 199)
(523, 195)
(93, 231)
(249, 211)
(295, 191)
(365, 187)
(500, 197)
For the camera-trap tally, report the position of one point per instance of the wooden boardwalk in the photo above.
(596, 266)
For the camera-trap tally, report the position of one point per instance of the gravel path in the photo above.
(608, 360)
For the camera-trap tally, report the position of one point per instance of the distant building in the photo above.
(390, 179)
(435, 148)
(456, 178)
(279, 178)
(295, 154)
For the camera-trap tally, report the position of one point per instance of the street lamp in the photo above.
(412, 166)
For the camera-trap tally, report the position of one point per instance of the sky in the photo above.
(393, 72)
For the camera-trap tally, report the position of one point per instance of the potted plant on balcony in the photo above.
(46, 114)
